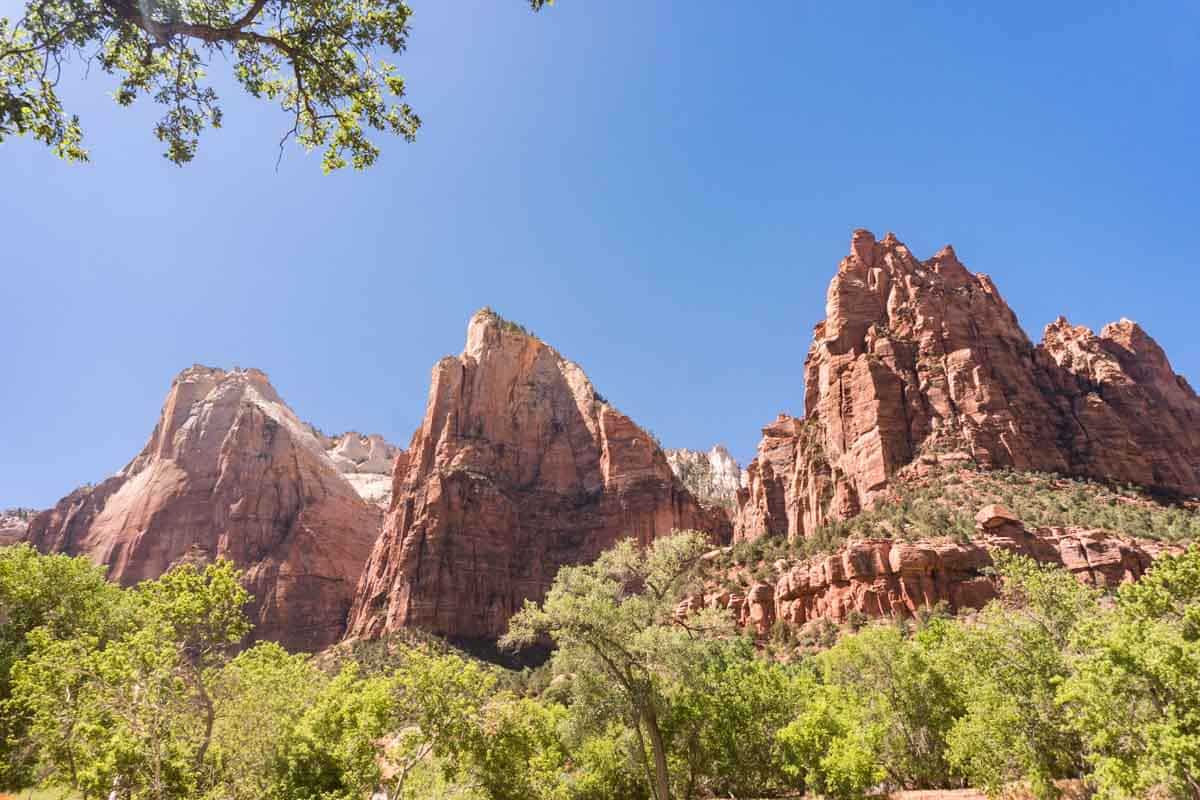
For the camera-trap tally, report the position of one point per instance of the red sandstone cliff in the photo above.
(229, 472)
(923, 360)
(518, 468)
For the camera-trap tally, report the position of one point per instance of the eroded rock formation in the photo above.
(924, 361)
(884, 578)
(229, 472)
(518, 468)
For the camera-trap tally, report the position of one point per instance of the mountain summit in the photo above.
(923, 362)
(231, 472)
(519, 467)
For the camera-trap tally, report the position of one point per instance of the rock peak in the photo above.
(862, 246)
(202, 371)
(518, 468)
(229, 472)
(925, 362)
(488, 330)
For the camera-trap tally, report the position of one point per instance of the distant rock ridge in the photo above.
(13, 524)
(518, 468)
(366, 461)
(714, 477)
(924, 362)
(231, 472)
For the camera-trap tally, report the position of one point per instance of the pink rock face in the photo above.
(923, 360)
(229, 472)
(518, 468)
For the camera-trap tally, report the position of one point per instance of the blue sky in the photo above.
(660, 190)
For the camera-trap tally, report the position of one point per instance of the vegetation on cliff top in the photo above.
(944, 502)
(507, 325)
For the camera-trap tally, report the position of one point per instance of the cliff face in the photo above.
(229, 472)
(924, 361)
(518, 468)
(1133, 419)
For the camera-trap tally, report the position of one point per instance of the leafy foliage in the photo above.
(142, 692)
(325, 63)
(65, 597)
(1135, 686)
(615, 627)
(1008, 669)
(132, 709)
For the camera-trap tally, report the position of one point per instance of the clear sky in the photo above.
(662, 190)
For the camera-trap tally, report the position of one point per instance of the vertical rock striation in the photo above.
(518, 468)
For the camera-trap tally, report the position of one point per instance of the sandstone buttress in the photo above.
(518, 468)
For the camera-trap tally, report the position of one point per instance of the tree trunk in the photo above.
(662, 787)
(641, 751)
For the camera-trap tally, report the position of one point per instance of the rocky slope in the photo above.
(713, 477)
(886, 578)
(229, 472)
(923, 361)
(518, 468)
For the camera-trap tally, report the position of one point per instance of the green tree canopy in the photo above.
(1134, 695)
(619, 638)
(66, 597)
(326, 63)
(132, 710)
(1007, 668)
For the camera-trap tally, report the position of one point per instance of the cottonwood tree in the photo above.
(1134, 695)
(370, 735)
(259, 698)
(324, 62)
(878, 713)
(64, 597)
(134, 712)
(619, 639)
(1007, 668)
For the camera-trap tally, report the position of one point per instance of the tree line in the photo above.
(151, 693)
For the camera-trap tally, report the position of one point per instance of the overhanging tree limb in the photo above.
(317, 59)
